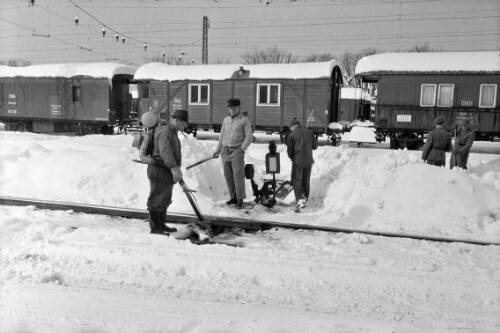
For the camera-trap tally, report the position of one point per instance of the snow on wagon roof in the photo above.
(95, 70)
(163, 72)
(430, 62)
(305, 70)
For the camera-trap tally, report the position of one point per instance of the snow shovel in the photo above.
(199, 162)
(200, 228)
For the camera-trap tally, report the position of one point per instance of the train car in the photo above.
(354, 104)
(271, 94)
(414, 88)
(76, 97)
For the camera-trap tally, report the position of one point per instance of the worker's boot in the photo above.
(239, 204)
(163, 226)
(154, 222)
(232, 201)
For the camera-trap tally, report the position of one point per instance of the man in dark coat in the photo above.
(300, 144)
(438, 142)
(463, 142)
(163, 175)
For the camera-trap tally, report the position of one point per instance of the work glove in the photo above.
(176, 174)
(216, 155)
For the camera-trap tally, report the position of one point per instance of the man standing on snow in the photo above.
(235, 137)
(438, 142)
(162, 176)
(300, 144)
(463, 143)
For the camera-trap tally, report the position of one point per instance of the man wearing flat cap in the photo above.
(464, 139)
(164, 173)
(437, 144)
(300, 145)
(235, 138)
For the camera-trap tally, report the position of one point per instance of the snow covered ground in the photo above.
(68, 272)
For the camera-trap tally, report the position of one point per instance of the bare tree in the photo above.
(222, 61)
(12, 62)
(273, 55)
(424, 47)
(318, 57)
(348, 61)
(166, 59)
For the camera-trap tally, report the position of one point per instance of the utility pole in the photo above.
(204, 50)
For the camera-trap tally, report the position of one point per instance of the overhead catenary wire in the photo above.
(157, 37)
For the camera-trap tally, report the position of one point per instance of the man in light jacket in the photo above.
(235, 137)
(300, 144)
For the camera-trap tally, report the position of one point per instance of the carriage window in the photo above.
(198, 94)
(77, 94)
(488, 96)
(145, 92)
(1, 95)
(428, 95)
(268, 94)
(445, 95)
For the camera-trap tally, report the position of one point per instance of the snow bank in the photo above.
(360, 188)
(62, 271)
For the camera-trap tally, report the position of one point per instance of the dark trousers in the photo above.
(436, 163)
(233, 161)
(301, 180)
(161, 186)
(459, 160)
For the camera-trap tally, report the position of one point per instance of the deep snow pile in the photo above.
(68, 272)
(360, 188)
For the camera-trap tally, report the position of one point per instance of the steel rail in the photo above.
(246, 224)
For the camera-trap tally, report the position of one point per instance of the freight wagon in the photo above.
(355, 104)
(414, 88)
(79, 97)
(271, 94)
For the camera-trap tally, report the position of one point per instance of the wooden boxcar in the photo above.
(271, 95)
(354, 104)
(81, 98)
(414, 88)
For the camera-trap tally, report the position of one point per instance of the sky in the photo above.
(62, 271)
(46, 32)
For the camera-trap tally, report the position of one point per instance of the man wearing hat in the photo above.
(235, 138)
(162, 176)
(300, 144)
(464, 139)
(438, 142)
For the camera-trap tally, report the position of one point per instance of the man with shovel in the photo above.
(162, 176)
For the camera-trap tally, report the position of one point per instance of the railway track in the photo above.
(230, 222)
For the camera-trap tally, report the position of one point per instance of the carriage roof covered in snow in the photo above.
(164, 72)
(429, 62)
(69, 70)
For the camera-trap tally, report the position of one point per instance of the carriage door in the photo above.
(143, 88)
(336, 83)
